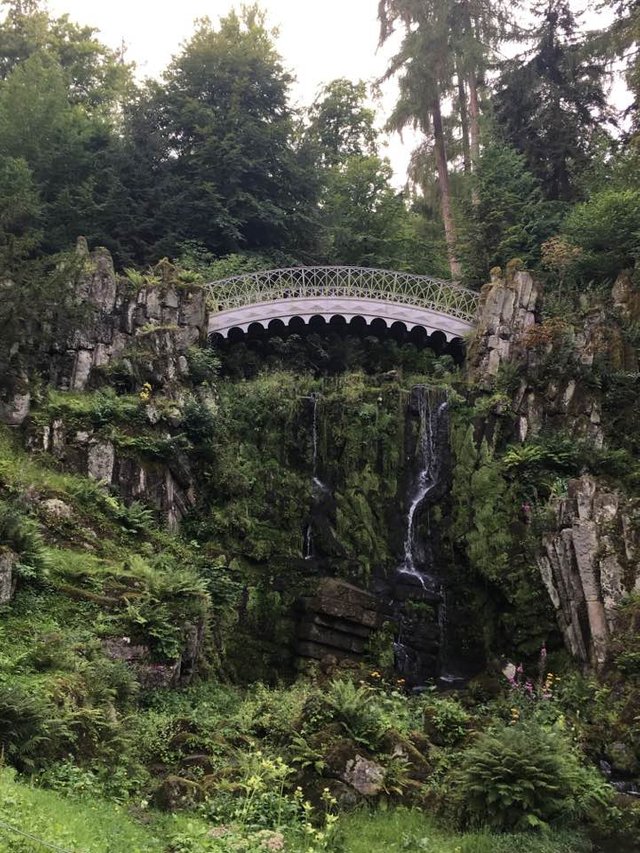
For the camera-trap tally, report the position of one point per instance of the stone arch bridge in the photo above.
(381, 299)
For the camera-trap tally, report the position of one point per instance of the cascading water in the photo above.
(432, 410)
(318, 487)
(420, 646)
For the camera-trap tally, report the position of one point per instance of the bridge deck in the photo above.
(305, 292)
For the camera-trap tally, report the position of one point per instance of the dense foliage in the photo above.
(153, 691)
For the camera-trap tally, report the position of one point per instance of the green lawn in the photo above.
(410, 830)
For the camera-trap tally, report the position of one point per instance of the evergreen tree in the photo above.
(623, 40)
(509, 219)
(234, 179)
(552, 107)
(425, 65)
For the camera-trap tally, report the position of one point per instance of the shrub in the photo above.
(22, 535)
(446, 721)
(32, 728)
(357, 709)
(526, 777)
(606, 227)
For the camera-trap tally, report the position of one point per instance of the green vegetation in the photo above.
(414, 831)
(157, 685)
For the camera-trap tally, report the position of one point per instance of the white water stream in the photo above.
(431, 412)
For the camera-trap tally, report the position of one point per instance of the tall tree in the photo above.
(425, 67)
(363, 220)
(234, 178)
(552, 108)
(623, 40)
(509, 218)
(61, 98)
(477, 28)
(96, 76)
(340, 124)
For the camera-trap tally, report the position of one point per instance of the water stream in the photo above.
(432, 410)
(416, 571)
(318, 488)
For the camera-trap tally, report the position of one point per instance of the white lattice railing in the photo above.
(351, 282)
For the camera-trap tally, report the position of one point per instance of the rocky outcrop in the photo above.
(154, 674)
(8, 560)
(589, 563)
(166, 485)
(135, 332)
(545, 364)
(508, 307)
(542, 371)
(337, 621)
(153, 325)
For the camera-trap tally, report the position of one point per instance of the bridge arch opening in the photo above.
(356, 306)
(319, 333)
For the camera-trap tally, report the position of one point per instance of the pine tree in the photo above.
(552, 108)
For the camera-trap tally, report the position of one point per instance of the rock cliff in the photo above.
(588, 554)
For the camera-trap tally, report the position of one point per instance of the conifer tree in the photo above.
(552, 107)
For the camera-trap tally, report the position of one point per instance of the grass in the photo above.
(413, 830)
(95, 826)
(90, 827)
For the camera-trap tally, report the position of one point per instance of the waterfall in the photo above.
(432, 410)
(318, 488)
(420, 645)
(318, 485)
(308, 542)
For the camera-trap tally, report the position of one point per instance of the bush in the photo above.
(358, 711)
(526, 777)
(446, 721)
(22, 535)
(607, 228)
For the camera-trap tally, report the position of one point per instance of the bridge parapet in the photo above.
(416, 300)
(422, 291)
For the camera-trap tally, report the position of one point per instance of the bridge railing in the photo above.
(346, 282)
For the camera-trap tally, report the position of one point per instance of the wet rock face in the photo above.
(588, 564)
(337, 621)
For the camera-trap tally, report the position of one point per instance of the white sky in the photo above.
(319, 41)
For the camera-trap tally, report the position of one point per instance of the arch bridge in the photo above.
(383, 299)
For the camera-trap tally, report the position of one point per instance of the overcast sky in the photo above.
(319, 41)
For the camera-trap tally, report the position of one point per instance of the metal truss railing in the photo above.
(347, 282)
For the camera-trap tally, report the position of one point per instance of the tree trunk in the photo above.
(474, 118)
(445, 191)
(464, 119)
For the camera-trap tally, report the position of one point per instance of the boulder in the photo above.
(57, 509)
(364, 776)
